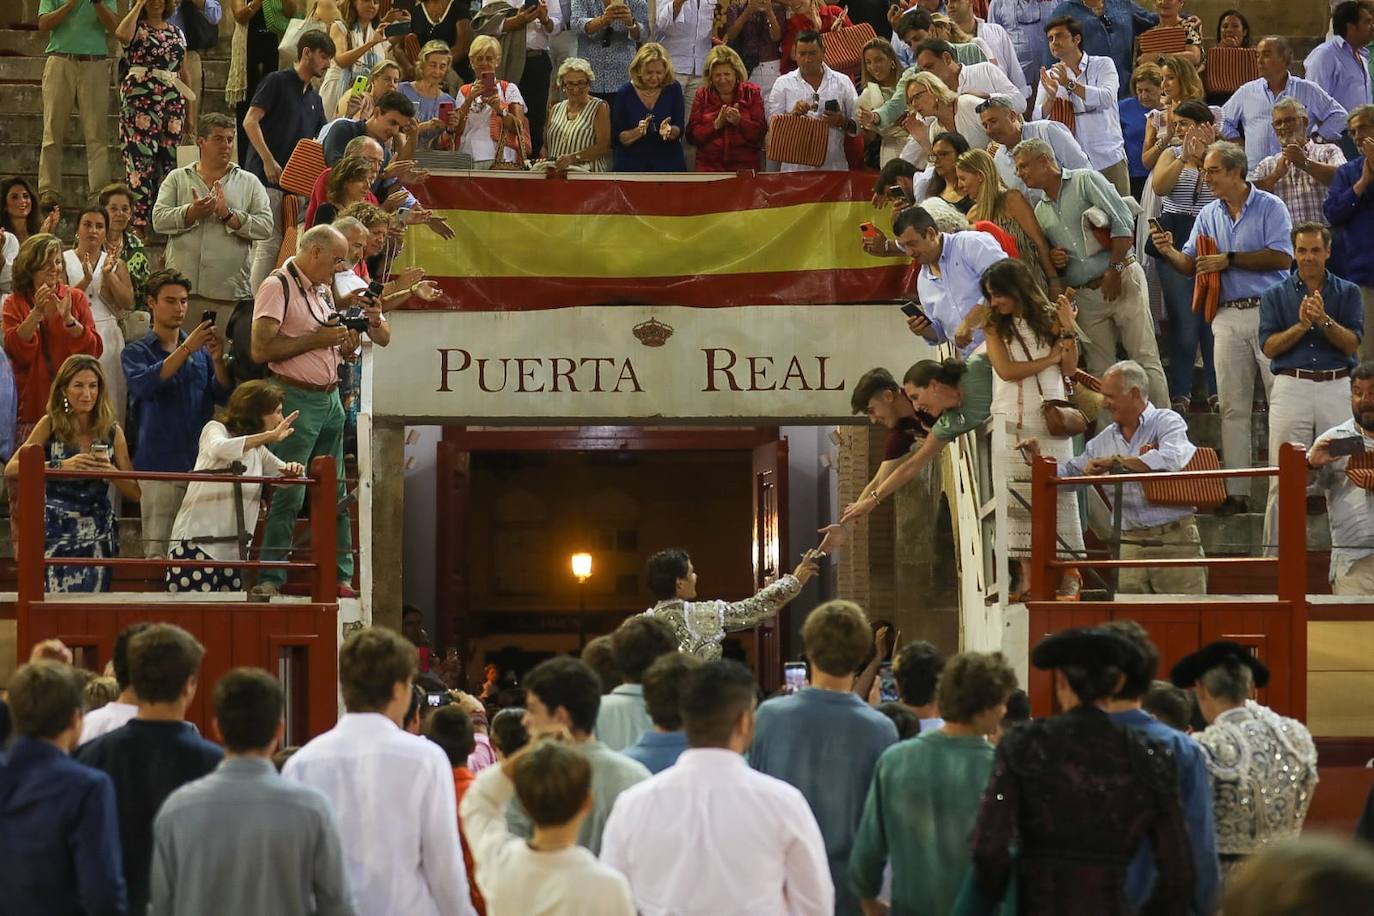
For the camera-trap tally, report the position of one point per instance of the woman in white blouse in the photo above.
(207, 525)
(105, 281)
(478, 106)
(932, 109)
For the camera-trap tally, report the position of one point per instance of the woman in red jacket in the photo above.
(45, 321)
(727, 123)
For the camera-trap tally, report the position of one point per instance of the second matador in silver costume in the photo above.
(701, 625)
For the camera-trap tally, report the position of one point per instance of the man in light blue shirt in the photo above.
(623, 715)
(1349, 507)
(950, 282)
(213, 12)
(1003, 124)
(1025, 22)
(661, 746)
(1250, 109)
(1142, 438)
(1340, 65)
(1252, 231)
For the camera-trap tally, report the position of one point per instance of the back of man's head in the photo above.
(638, 642)
(248, 709)
(599, 655)
(507, 730)
(371, 663)
(119, 656)
(163, 659)
(569, 683)
(837, 637)
(1138, 677)
(664, 682)
(44, 699)
(451, 729)
(1169, 704)
(552, 781)
(917, 671)
(713, 699)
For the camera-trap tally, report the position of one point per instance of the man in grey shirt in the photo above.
(243, 839)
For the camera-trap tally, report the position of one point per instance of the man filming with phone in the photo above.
(297, 333)
(949, 285)
(1350, 507)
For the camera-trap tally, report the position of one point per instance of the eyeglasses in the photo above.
(575, 84)
(995, 101)
(1209, 171)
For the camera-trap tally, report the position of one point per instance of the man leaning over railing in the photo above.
(1350, 506)
(1142, 438)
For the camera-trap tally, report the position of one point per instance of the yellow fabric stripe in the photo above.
(820, 236)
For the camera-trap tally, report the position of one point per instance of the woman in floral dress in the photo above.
(153, 100)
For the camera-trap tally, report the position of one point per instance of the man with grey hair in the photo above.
(1300, 174)
(1263, 765)
(1142, 438)
(1252, 232)
(212, 212)
(297, 334)
(1113, 306)
(1249, 110)
(1002, 122)
(351, 287)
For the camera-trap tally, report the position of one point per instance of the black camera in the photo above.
(354, 319)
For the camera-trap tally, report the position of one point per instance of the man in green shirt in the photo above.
(78, 68)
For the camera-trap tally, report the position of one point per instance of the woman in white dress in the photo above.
(1032, 347)
(105, 281)
(207, 524)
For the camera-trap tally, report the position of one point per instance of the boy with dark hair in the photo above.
(599, 655)
(917, 670)
(765, 853)
(452, 729)
(400, 849)
(124, 707)
(663, 683)
(59, 832)
(157, 751)
(563, 694)
(549, 874)
(1169, 704)
(279, 853)
(824, 739)
(636, 644)
(508, 733)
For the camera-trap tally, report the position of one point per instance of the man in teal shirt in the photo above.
(77, 68)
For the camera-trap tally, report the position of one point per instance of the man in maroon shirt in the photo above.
(878, 396)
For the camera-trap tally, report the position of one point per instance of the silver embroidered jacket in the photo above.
(1263, 768)
(701, 625)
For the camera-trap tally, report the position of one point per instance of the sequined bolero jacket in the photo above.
(1263, 768)
(701, 625)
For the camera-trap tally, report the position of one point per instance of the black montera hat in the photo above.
(1214, 655)
(1085, 647)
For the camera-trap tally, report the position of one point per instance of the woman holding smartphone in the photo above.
(489, 108)
(434, 108)
(79, 433)
(358, 41)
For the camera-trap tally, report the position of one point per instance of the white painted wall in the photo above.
(421, 495)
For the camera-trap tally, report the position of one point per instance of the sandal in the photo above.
(1070, 586)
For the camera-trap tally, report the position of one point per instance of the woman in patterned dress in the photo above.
(153, 97)
(79, 433)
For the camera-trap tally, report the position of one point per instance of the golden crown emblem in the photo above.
(652, 333)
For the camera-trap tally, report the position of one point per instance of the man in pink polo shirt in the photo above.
(296, 335)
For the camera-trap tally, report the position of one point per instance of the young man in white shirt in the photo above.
(392, 792)
(550, 873)
(112, 715)
(711, 835)
(624, 714)
(814, 90)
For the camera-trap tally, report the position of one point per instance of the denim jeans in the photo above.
(1185, 332)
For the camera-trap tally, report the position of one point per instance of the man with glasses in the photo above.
(1003, 124)
(1252, 232)
(1250, 109)
(1301, 174)
(1087, 86)
(212, 212)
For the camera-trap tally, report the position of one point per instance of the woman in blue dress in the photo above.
(648, 115)
(79, 433)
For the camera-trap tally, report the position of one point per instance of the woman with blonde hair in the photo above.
(1179, 83)
(427, 92)
(484, 111)
(360, 44)
(881, 70)
(932, 109)
(207, 525)
(727, 121)
(578, 130)
(648, 114)
(79, 433)
(1009, 209)
(381, 79)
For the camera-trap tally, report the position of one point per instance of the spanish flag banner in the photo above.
(527, 241)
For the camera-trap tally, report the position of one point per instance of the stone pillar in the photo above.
(381, 521)
(926, 578)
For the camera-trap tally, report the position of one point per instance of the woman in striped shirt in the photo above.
(578, 132)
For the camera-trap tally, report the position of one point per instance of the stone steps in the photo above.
(29, 70)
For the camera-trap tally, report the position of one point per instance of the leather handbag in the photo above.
(844, 47)
(1085, 393)
(1164, 39)
(1202, 493)
(304, 168)
(797, 140)
(1062, 419)
(1230, 68)
(1359, 470)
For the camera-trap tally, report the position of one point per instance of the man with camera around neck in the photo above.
(297, 333)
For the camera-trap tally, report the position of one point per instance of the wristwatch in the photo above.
(1230, 258)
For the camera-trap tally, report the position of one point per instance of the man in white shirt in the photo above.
(814, 90)
(1090, 85)
(948, 285)
(636, 644)
(684, 27)
(1005, 127)
(997, 39)
(392, 792)
(113, 715)
(1350, 507)
(711, 835)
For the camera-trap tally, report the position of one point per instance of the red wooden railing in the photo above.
(296, 641)
(1277, 627)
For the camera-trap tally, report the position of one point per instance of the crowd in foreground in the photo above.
(676, 790)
